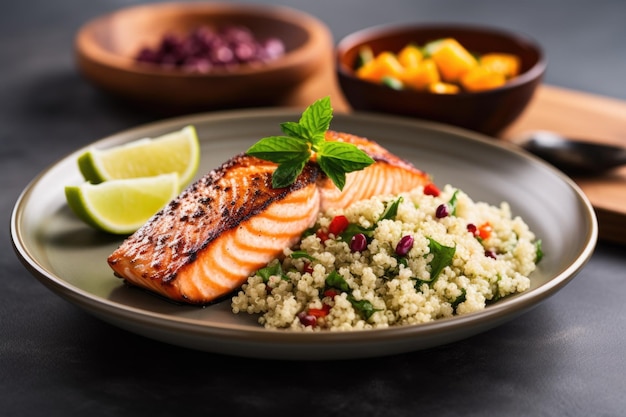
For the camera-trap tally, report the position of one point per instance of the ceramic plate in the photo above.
(70, 258)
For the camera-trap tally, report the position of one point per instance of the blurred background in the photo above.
(585, 42)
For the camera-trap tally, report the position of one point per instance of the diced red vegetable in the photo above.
(431, 189)
(338, 225)
(484, 230)
(319, 312)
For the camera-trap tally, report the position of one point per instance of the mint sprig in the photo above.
(306, 138)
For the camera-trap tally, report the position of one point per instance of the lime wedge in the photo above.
(121, 206)
(177, 151)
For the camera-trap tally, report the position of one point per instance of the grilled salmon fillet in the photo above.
(389, 175)
(207, 241)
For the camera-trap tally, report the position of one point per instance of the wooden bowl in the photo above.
(488, 112)
(106, 48)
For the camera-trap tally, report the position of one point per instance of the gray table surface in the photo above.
(567, 357)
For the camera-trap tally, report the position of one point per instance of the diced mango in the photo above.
(385, 64)
(441, 66)
(443, 88)
(370, 72)
(390, 65)
(481, 78)
(421, 76)
(501, 63)
(453, 60)
(410, 56)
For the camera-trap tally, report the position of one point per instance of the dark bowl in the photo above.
(106, 48)
(488, 112)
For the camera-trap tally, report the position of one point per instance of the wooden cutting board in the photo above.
(590, 117)
(572, 113)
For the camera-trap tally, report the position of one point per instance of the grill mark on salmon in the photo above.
(207, 241)
(188, 251)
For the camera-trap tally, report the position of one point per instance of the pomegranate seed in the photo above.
(331, 292)
(307, 319)
(229, 46)
(358, 243)
(471, 227)
(404, 245)
(442, 211)
(431, 189)
(338, 225)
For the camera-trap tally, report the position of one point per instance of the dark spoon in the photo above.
(573, 156)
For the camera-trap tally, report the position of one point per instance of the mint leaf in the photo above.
(287, 172)
(333, 171)
(346, 155)
(442, 257)
(293, 129)
(338, 158)
(316, 120)
(304, 137)
(452, 203)
(280, 149)
(363, 307)
(302, 254)
(391, 210)
(335, 280)
(460, 299)
(268, 271)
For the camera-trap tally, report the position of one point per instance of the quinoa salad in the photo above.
(394, 260)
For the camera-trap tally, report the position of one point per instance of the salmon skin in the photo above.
(207, 241)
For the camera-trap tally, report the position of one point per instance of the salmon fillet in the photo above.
(207, 241)
(389, 175)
